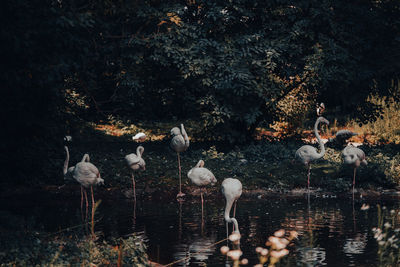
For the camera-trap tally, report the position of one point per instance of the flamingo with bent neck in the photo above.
(179, 143)
(232, 190)
(354, 157)
(135, 162)
(306, 154)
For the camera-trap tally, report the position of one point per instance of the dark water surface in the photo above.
(332, 231)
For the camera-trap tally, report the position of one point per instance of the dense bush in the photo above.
(229, 64)
(225, 64)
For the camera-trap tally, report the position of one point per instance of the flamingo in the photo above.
(86, 174)
(139, 137)
(306, 154)
(354, 157)
(232, 190)
(135, 162)
(179, 143)
(320, 109)
(201, 177)
(341, 136)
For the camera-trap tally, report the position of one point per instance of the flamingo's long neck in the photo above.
(139, 151)
(229, 203)
(65, 170)
(85, 158)
(185, 136)
(321, 144)
(199, 164)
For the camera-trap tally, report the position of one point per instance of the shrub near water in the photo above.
(33, 250)
(386, 127)
(387, 234)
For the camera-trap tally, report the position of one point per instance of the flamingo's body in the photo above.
(354, 157)
(135, 162)
(84, 172)
(232, 190)
(306, 154)
(201, 177)
(179, 143)
(139, 137)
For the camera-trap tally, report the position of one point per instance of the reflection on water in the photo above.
(331, 231)
(312, 256)
(197, 251)
(355, 245)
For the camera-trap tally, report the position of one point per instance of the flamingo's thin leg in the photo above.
(308, 176)
(87, 204)
(91, 190)
(227, 235)
(202, 211)
(354, 178)
(234, 214)
(134, 186)
(179, 168)
(81, 198)
(82, 204)
(180, 194)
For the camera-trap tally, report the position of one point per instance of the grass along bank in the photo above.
(261, 165)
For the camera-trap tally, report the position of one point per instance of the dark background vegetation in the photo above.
(225, 64)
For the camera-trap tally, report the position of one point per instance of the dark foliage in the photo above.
(224, 63)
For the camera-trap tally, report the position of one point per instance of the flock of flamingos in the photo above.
(87, 174)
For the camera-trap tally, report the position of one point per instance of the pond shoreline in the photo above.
(192, 193)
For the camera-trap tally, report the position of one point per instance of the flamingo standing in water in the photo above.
(179, 143)
(135, 162)
(86, 174)
(306, 154)
(232, 190)
(354, 157)
(201, 177)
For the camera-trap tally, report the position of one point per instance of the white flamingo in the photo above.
(139, 137)
(135, 162)
(354, 157)
(232, 190)
(179, 143)
(306, 154)
(84, 173)
(320, 109)
(201, 177)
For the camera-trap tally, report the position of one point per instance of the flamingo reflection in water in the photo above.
(196, 252)
(355, 245)
(310, 254)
